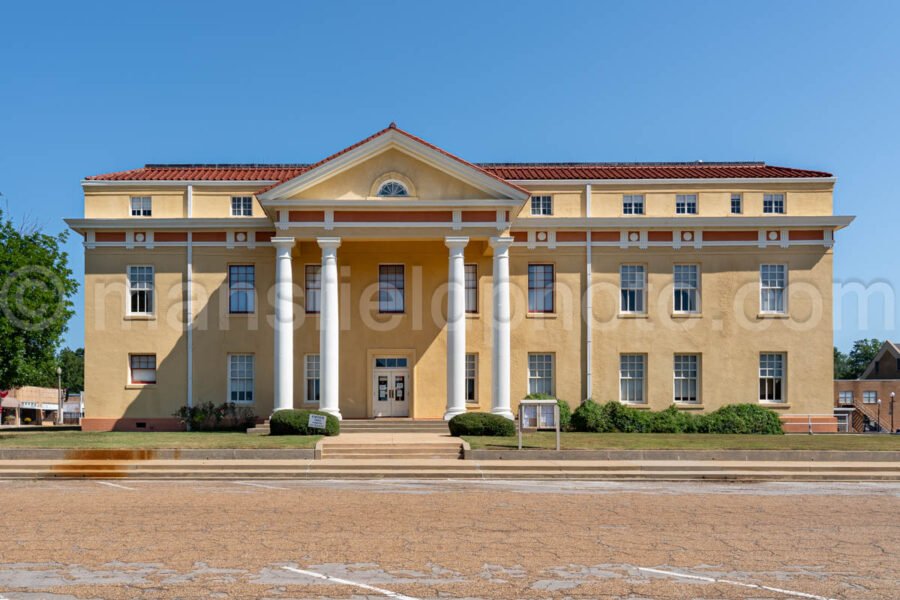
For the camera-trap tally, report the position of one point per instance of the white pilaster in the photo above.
(329, 329)
(284, 324)
(500, 404)
(456, 328)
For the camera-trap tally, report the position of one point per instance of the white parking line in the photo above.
(115, 485)
(737, 583)
(364, 586)
(260, 485)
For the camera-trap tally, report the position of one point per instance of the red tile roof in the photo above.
(275, 174)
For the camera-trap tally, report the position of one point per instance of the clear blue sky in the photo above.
(89, 87)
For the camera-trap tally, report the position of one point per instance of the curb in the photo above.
(159, 454)
(712, 455)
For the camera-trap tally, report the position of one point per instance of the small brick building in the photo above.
(869, 403)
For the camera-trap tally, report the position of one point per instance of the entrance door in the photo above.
(391, 387)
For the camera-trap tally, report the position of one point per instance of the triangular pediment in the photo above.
(429, 173)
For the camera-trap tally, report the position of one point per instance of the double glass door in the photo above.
(391, 387)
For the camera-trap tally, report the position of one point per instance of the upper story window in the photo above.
(471, 288)
(845, 397)
(686, 204)
(393, 189)
(391, 288)
(772, 285)
(542, 205)
(241, 284)
(870, 397)
(241, 206)
(143, 368)
(540, 289)
(313, 288)
(773, 204)
(633, 284)
(633, 204)
(687, 288)
(141, 206)
(140, 290)
(737, 204)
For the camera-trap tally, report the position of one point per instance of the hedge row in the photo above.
(476, 423)
(733, 418)
(296, 422)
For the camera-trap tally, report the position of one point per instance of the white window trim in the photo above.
(128, 292)
(475, 398)
(644, 290)
(396, 182)
(131, 200)
(698, 289)
(252, 380)
(872, 394)
(784, 377)
(643, 212)
(842, 393)
(785, 296)
(646, 400)
(731, 200)
(784, 206)
(306, 399)
(696, 204)
(233, 198)
(541, 214)
(131, 381)
(699, 377)
(528, 378)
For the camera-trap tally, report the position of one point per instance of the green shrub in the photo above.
(476, 423)
(565, 411)
(296, 422)
(207, 416)
(591, 417)
(741, 418)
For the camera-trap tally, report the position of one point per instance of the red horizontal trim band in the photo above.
(479, 216)
(520, 236)
(730, 236)
(312, 216)
(110, 236)
(264, 236)
(659, 236)
(380, 216)
(570, 236)
(807, 234)
(605, 236)
(209, 236)
(170, 236)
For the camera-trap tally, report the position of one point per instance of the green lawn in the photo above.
(152, 440)
(689, 441)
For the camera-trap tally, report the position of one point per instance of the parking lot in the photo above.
(447, 539)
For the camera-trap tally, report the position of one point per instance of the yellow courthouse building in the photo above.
(396, 279)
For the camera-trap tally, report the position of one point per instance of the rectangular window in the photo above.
(633, 204)
(540, 289)
(687, 288)
(737, 204)
(633, 284)
(686, 204)
(241, 289)
(141, 206)
(772, 285)
(771, 377)
(471, 378)
(143, 368)
(687, 378)
(471, 288)
(140, 290)
(241, 206)
(540, 374)
(240, 378)
(870, 397)
(773, 204)
(391, 288)
(542, 205)
(313, 288)
(845, 397)
(631, 378)
(311, 379)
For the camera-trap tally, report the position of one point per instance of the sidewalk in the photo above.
(336, 468)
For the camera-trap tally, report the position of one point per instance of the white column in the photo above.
(500, 329)
(456, 328)
(329, 329)
(284, 324)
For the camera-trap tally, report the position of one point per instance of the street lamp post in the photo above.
(892, 412)
(59, 398)
(879, 416)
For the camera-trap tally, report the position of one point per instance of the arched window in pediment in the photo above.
(392, 188)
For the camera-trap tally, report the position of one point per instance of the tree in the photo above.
(72, 364)
(840, 364)
(36, 287)
(862, 353)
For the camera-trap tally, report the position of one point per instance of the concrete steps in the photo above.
(449, 450)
